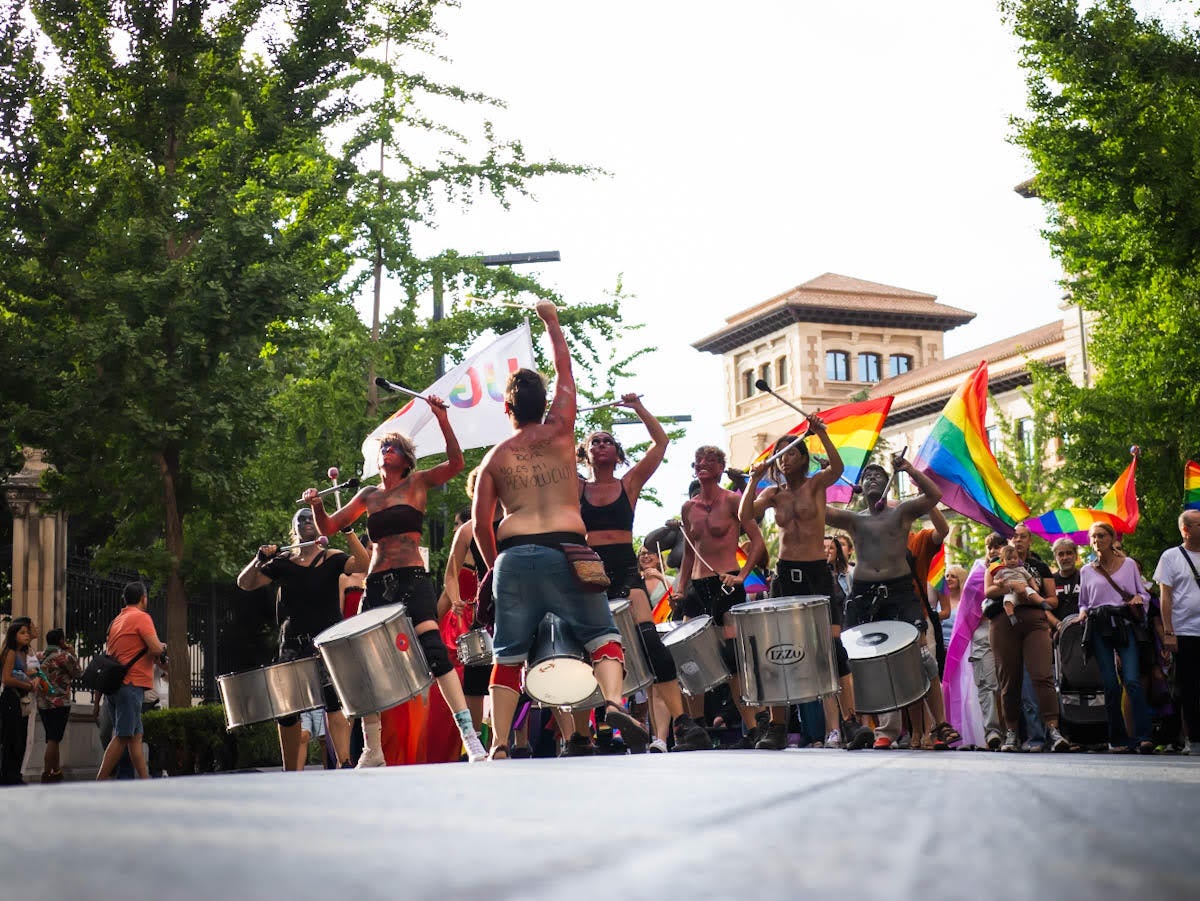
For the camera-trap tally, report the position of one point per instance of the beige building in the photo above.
(835, 339)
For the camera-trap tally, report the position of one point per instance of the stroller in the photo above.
(1080, 688)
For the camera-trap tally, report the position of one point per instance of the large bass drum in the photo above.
(785, 650)
(885, 660)
(375, 660)
(558, 671)
(271, 692)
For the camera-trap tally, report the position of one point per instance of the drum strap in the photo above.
(725, 589)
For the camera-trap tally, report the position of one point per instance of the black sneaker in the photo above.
(520, 752)
(774, 738)
(579, 746)
(748, 741)
(689, 736)
(633, 732)
(855, 736)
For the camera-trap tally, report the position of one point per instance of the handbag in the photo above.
(105, 673)
(1135, 613)
(586, 566)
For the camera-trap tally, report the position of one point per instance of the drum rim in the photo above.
(703, 619)
(324, 637)
(792, 602)
(877, 652)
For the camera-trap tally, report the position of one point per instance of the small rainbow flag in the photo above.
(937, 571)
(662, 610)
(1191, 486)
(958, 458)
(853, 429)
(1118, 508)
(755, 583)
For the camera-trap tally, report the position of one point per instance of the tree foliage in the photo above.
(1114, 134)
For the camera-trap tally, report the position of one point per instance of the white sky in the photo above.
(752, 148)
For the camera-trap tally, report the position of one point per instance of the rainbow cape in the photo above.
(958, 458)
(1191, 486)
(937, 570)
(853, 429)
(754, 580)
(1118, 508)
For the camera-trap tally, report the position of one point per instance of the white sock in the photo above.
(372, 736)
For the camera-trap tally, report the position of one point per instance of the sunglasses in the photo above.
(602, 439)
(394, 448)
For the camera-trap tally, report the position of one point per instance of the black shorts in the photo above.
(54, 720)
(706, 596)
(620, 564)
(895, 599)
(407, 585)
(475, 680)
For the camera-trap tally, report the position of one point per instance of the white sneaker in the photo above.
(475, 750)
(833, 739)
(371, 757)
(658, 746)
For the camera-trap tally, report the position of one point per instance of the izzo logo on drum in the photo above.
(785, 654)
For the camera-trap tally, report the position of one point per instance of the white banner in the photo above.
(474, 389)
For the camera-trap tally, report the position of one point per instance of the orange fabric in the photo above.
(403, 730)
(922, 546)
(443, 741)
(127, 635)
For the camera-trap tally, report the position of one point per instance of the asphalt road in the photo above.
(792, 824)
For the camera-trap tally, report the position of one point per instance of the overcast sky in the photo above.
(752, 148)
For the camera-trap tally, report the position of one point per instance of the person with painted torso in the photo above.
(532, 475)
(395, 511)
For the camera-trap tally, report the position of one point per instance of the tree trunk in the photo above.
(179, 678)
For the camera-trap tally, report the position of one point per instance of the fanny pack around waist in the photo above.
(586, 566)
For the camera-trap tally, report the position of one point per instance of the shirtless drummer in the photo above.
(532, 473)
(712, 526)
(883, 587)
(799, 505)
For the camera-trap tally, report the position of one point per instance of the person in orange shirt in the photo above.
(133, 640)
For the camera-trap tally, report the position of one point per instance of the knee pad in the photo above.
(507, 675)
(660, 658)
(435, 652)
(291, 719)
(729, 653)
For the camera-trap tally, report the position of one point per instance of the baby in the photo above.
(1009, 569)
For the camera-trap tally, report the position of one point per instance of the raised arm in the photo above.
(332, 523)
(831, 473)
(252, 577)
(562, 408)
(640, 474)
(840, 519)
(453, 464)
(753, 505)
(924, 502)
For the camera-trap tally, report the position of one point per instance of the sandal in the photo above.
(947, 733)
(632, 731)
(499, 752)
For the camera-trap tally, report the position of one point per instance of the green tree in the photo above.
(178, 245)
(1114, 135)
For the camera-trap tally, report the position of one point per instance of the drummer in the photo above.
(712, 526)
(309, 602)
(606, 504)
(395, 516)
(799, 504)
(532, 473)
(883, 587)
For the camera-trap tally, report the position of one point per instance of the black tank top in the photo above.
(394, 520)
(615, 517)
(476, 553)
(309, 601)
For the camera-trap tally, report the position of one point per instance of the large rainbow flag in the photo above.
(1118, 508)
(754, 580)
(1191, 486)
(958, 458)
(853, 429)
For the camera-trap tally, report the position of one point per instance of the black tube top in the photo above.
(394, 521)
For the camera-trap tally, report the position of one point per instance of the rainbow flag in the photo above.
(1118, 508)
(754, 581)
(937, 570)
(662, 610)
(853, 429)
(958, 458)
(1191, 486)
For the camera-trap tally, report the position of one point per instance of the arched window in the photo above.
(898, 364)
(868, 367)
(837, 366)
(747, 383)
(781, 373)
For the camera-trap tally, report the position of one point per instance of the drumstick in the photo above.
(881, 504)
(320, 541)
(611, 403)
(400, 389)
(762, 385)
(349, 483)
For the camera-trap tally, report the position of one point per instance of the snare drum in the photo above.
(271, 692)
(885, 660)
(638, 674)
(474, 647)
(696, 650)
(375, 660)
(785, 650)
(558, 671)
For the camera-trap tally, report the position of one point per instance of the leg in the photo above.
(1132, 674)
(290, 744)
(302, 751)
(506, 691)
(475, 705)
(339, 733)
(438, 658)
(112, 753)
(138, 757)
(1103, 652)
(1006, 649)
(372, 752)
(1187, 683)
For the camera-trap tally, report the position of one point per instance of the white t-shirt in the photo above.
(1173, 570)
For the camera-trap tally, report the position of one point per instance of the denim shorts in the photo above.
(313, 722)
(530, 581)
(127, 711)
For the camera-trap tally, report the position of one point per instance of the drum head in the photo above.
(363, 622)
(667, 627)
(617, 605)
(686, 630)
(878, 639)
(789, 603)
